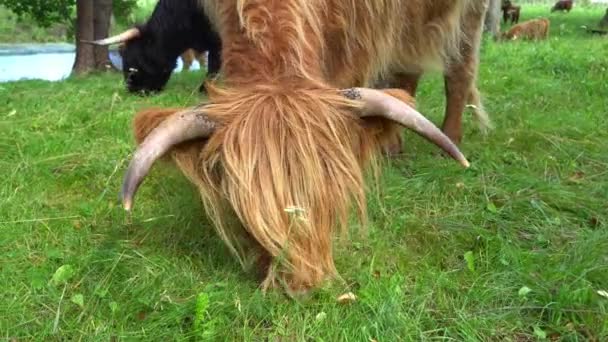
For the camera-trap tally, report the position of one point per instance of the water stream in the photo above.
(51, 62)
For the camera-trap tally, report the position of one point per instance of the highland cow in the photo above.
(509, 11)
(536, 29)
(280, 151)
(151, 50)
(562, 5)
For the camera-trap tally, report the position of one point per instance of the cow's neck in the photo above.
(270, 42)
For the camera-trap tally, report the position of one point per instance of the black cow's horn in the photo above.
(119, 38)
(377, 103)
(181, 126)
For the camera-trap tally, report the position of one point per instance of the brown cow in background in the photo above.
(535, 29)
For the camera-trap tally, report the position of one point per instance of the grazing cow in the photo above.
(535, 29)
(509, 11)
(513, 14)
(151, 50)
(562, 5)
(280, 151)
(602, 26)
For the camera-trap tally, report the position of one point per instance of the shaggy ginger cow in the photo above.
(536, 29)
(279, 153)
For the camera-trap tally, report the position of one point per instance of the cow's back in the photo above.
(376, 37)
(364, 39)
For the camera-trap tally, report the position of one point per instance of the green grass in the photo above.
(531, 216)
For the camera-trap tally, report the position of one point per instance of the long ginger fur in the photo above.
(535, 29)
(289, 155)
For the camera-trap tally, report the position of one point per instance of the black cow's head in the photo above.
(146, 66)
(149, 51)
(147, 63)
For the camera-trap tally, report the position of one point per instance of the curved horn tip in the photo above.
(127, 204)
(127, 192)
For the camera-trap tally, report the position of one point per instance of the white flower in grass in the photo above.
(296, 212)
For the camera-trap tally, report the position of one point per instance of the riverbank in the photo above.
(19, 49)
(51, 62)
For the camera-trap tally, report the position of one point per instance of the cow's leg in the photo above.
(460, 77)
(458, 80)
(214, 61)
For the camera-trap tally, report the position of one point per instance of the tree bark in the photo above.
(492, 19)
(101, 23)
(85, 57)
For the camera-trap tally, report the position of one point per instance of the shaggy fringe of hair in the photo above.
(289, 164)
(280, 188)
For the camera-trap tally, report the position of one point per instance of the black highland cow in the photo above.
(150, 51)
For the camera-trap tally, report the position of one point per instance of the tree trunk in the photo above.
(492, 19)
(85, 58)
(101, 23)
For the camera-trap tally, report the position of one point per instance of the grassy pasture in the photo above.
(513, 249)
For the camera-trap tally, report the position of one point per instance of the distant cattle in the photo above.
(535, 29)
(510, 11)
(602, 26)
(562, 5)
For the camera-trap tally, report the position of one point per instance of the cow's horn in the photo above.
(179, 127)
(377, 103)
(119, 38)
